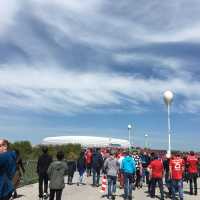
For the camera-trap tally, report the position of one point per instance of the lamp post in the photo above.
(168, 98)
(146, 140)
(129, 134)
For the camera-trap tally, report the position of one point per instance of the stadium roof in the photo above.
(86, 141)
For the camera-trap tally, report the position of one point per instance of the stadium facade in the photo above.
(86, 141)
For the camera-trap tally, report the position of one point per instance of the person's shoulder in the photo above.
(116, 160)
(124, 159)
(50, 158)
(54, 163)
(64, 163)
(41, 157)
(11, 154)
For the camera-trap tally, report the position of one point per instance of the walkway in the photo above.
(87, 192)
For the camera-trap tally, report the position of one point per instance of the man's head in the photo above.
(44, 149)
(3, 145)
(112, 153)
(127, 153)
(178, 154)
(60, 155)
(192, 153)
(152, 155)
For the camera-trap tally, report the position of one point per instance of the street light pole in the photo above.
(168, 97)
(146, 141)
(129, 134)
(132, 135)
(169, 129)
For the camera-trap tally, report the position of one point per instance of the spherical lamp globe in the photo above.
(168, 97)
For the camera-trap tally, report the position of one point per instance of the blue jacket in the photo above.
(7, 171)
(128, 165)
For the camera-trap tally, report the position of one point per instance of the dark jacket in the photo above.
(71, 164)
(43, 163)
(7, 171)
(81, 164)
(166, 165)
(56, 172)
(97, 161)
(145, 160)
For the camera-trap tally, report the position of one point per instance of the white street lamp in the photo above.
(129, 134)
(146, 140)
(168, 98)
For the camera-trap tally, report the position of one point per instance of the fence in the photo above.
(30, 176)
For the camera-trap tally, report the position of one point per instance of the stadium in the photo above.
(87, 141)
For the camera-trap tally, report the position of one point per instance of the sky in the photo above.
(91, 68)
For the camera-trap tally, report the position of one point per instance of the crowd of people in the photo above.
(132, 169)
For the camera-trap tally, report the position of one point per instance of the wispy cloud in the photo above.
(60, 56)
(8, 10)
(68, 92)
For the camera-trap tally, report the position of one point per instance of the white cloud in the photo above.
(8, 9)
(102, 26)
(155, 60)
(67, 92)
(91, 22)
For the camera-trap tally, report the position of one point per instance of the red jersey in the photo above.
(192, 162)
(157, 169)
(88, 157)
(176, 166)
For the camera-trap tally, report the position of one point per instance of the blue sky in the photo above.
(74, 68)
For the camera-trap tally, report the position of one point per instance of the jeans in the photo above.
(193, 179)
(177, 184)
(111, 185)
(58, 194)
(88, 167)
(128, 184)
(70, 178)
(121, 179)
(168, 183)
(145, 174)
(43, 179)
(81, 176)
(153, 186)
(96, 176)
(138, 178)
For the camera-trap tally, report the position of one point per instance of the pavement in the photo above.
(87, 192)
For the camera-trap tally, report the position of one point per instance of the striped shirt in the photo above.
(137, 161)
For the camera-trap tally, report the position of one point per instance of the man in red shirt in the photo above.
(88, 158)
(176, 168)
(156, 170)
(192, 163)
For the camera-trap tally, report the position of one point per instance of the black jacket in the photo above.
(71, 166)
(97, 161)
(43, 163)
